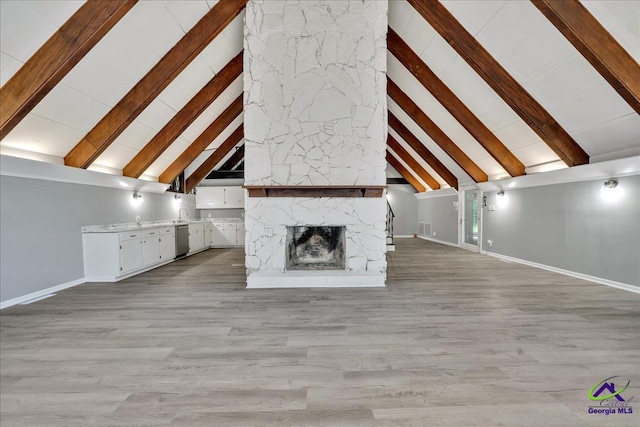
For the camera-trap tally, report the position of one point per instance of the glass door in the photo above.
(470, 221)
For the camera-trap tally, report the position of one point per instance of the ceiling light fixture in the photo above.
(611, 183)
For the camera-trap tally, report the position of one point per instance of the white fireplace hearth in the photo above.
(315, 142)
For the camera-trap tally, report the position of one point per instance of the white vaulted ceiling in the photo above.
(515, 33)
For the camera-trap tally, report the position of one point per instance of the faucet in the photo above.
(180, 214)
(138, 220)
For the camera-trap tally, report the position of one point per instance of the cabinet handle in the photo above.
(133, 235)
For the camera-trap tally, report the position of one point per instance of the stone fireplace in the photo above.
(315, 140)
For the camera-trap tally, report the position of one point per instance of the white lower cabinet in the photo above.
(130, 255)
(167, 243)
(151, 247)
(110, 256)
(196, 237)
(227, 234)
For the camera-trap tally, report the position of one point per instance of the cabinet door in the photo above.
(240, 232)
(167, 247)
(230, 234)
(207, 235)
(233, 197)
(196, 237)
(151, 250)
(217, 235)
(210, 197)
(130, 255)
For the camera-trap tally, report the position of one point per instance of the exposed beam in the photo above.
(405, 173)
(202, 141)
(453, 104)
(542, 123)
(234, 160)
(598, 47)
(64, 49)
(438, 136)
(422, 151)
(153, 83)
(181, 121)
(406, 157)
(218, 154)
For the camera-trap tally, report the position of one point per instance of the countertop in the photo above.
(130, 226)
(223, 220)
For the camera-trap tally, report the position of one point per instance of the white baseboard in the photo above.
(600, 280)
(442, 242)
(33, 295)
(403, 236)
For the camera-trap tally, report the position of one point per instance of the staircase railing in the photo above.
(390, 216)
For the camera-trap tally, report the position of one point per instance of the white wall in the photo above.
(40, 228)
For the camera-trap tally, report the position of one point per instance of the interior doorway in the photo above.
(470, 218)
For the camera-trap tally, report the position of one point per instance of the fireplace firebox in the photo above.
(315, 248)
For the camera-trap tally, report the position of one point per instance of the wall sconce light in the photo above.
(501, 199)
(137, 199)
(610, 190)
(177, 200)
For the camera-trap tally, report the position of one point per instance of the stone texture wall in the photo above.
(315, 114)
(315, 92)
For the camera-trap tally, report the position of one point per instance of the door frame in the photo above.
(461, 210)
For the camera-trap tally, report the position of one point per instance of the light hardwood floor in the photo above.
(456, 338)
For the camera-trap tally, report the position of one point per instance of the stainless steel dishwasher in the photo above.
(182, 240)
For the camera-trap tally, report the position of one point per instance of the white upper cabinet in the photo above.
(219, 197)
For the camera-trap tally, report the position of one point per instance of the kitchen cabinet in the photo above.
(167, 243)
(110, 256)
(196, 237)
(227, 234)
(130, 253)
(151, 247)
(219, 197)
(207, 234)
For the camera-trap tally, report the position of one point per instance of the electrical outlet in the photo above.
(489, 243)
(434, 234)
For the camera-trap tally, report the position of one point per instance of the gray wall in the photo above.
(443, 216)
(40, 228)
(570, 226)
(405, 208)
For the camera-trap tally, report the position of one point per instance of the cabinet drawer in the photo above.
(130, 235)
(151, 233)
(168, 230)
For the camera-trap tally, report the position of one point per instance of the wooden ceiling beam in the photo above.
(453, 104)
(181, 121)
(202, 141)
(521, 101)
(48, 66)
(153, 83)
(416, 167)
(597, 45)
(234, 160)
(391, 159)
(431, 129)
(422, 151)
(218, 154)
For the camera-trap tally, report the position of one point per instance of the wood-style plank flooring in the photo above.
(456, 338)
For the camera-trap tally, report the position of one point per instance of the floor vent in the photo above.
(424, 228)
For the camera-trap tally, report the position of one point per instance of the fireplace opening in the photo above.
(315, 248)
